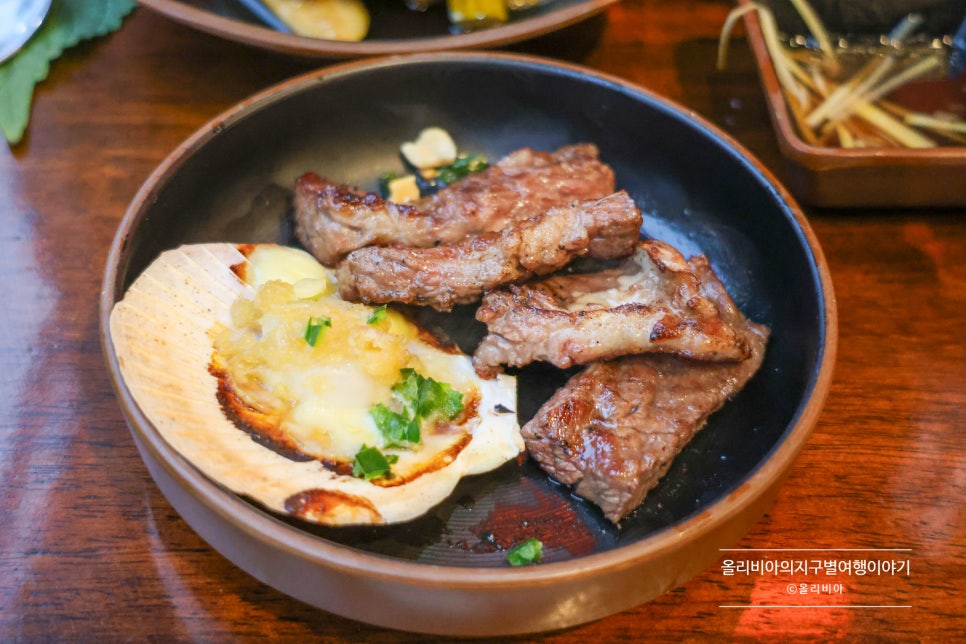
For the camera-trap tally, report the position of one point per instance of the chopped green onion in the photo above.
(422, 399)
(378, 315)
(528, 552)
(461, 167)
(370, 463)
(407, 387)
(438, 397)
(399, 429)
(477, 163)
(427, 397)
(313, 329)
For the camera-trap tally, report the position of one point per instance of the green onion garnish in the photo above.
(313, 329)
(528, 552)
(427, 397)
(378, 315)
(370, 463)
(421, 399)
(461, 167)
(399, 429)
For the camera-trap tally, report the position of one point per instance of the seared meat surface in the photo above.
(613, 429)
(653, 302)
(333, 219)
(444, 276)
(663, 343)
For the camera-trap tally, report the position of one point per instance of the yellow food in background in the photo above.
(470, 14)
(328, 19)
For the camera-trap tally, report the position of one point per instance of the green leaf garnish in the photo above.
(438, 397)
(407, 387)
(399, 429)
(427, 397)
(461, 167)
(528, 552)
(371, 464)
(422, 399)
(378, 315)
(313, 328)
(67, 23)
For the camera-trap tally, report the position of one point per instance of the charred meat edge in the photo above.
(444, 276)
(333, 219)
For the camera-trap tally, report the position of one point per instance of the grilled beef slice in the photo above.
(652, 302)
(444, 276)
(332, 219)
(614, 428)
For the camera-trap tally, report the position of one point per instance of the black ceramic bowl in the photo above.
(393, 28)
(698, 190)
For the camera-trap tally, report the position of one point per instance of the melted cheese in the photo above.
(321, 395)
(163, 329)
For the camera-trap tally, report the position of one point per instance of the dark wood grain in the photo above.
(89, 548)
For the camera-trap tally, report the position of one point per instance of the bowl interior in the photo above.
(232, 182)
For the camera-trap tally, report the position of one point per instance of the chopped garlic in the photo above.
(404, 189)
(434, 147)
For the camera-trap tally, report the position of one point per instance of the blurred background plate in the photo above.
(446, 572)
(394, 28)
(889, 177)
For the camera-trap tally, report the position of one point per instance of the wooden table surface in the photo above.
(90, 549)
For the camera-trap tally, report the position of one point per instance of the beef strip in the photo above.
(614, 428)
(651, 303)
(444, 276)
(333, 219)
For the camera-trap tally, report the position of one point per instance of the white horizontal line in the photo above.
(815, 549)
(807, 606)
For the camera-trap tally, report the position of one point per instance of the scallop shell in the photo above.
(163, 333)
